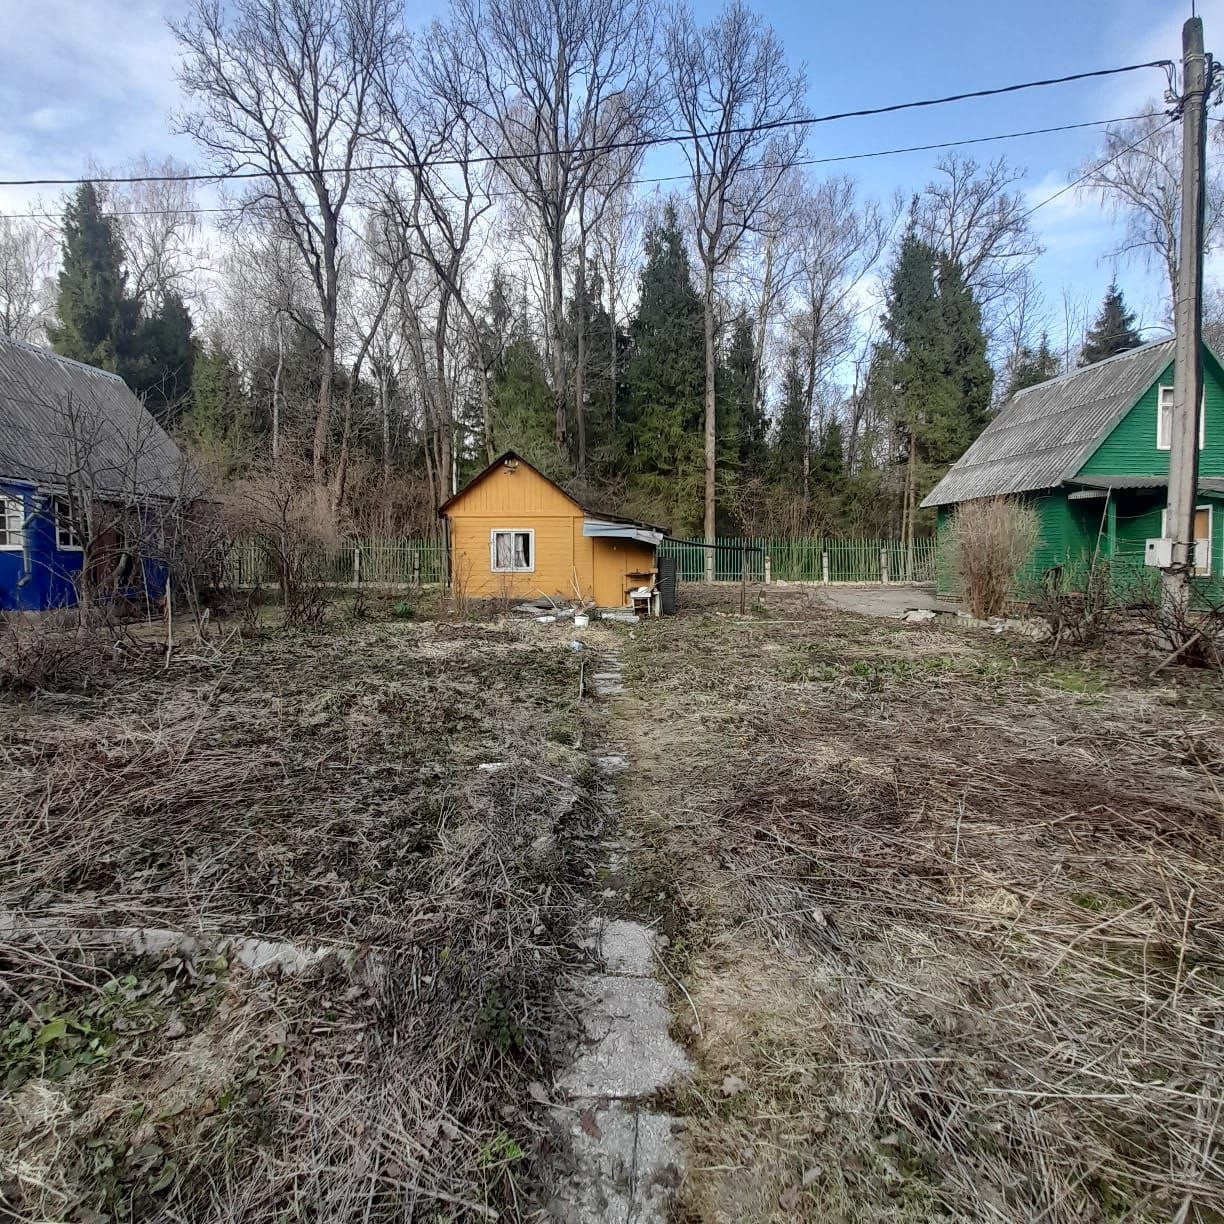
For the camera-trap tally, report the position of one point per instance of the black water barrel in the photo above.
(667, 585)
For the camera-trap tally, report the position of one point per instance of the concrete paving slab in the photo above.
(627, 1051)
(627, 1166)
(625, 948)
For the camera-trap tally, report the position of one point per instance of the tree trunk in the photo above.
(276, 385)
(384, 409)
(342, 464)
(614, 355)
(580, 363)
(486, 416)
(561, 430)
(711, 440)
(327, 369)
(327, 364)
(762, 322)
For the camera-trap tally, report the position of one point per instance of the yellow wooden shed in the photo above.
(514, 533)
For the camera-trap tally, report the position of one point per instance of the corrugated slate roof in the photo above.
(1206, 484)
(1043, 434)
(59, 417)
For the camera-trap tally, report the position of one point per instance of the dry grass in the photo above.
(959, 923)
(321, 793)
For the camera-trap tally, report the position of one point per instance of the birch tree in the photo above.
(734, 98)
(561, 83)
(283, 88)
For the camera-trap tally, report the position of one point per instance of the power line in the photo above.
(1101, 166)
(612, 146)
(666, 178)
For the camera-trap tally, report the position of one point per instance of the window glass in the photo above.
(66, 534)
(511, 551)
(1164, 419)
(12, 515)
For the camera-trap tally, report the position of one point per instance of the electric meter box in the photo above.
(1158, 553)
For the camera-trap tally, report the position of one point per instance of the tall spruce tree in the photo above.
(219, 418)
(97, 320)
(663, 403)
(931, 372)
(790, 437)
(1112, 332)
(1032, 366)
(159, 367)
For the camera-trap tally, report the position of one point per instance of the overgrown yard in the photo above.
(279, 927)
(951, 917)
(282, 924)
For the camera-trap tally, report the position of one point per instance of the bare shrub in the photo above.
(288, 518)
(1078, 605)
(54, 652)
(993, 539)
(1192, 636)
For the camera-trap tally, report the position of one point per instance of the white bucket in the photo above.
(581, 620)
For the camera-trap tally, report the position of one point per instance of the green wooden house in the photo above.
(1089, 450)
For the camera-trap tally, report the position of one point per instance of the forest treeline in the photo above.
(433, 245)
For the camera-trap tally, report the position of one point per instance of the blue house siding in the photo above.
(41, 576)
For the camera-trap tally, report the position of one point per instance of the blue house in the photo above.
(88, 483)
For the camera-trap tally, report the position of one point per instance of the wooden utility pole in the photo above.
(1188, 322)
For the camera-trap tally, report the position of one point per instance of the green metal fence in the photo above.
(373, 562)
(407, 562)
(805, 560)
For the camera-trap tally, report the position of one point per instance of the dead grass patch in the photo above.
(967, 919)
(321, 793)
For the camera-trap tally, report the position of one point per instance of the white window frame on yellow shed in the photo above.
(1164, 419)
(529, 532)
(1202, 567)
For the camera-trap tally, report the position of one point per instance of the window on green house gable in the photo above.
(1164, 419)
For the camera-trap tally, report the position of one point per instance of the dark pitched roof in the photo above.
(593, 511)
(1043, 434)
(59, 418)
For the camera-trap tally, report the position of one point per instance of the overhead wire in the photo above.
(610, 146)
(46, 215)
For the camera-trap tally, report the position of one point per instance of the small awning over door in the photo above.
(595, 528)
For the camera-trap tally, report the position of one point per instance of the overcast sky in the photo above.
(93, 81)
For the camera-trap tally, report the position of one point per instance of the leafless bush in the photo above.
(1192, 636)
(288, 518)
(51, 653)
(993, 540)
(1079, 606)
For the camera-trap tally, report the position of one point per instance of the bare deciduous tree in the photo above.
(1137, 175)
(284, 87)
(734, 95)
(839, 241)
(158, 227)
(562, 83)
(971, 213)
(27, 260)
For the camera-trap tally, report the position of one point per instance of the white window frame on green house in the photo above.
(1164, 416)
(1200, 570)
(527, 534)
(67, 538)
(12, 523)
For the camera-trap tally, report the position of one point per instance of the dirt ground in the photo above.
(282, 922)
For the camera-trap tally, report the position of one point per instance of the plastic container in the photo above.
(581, 620)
